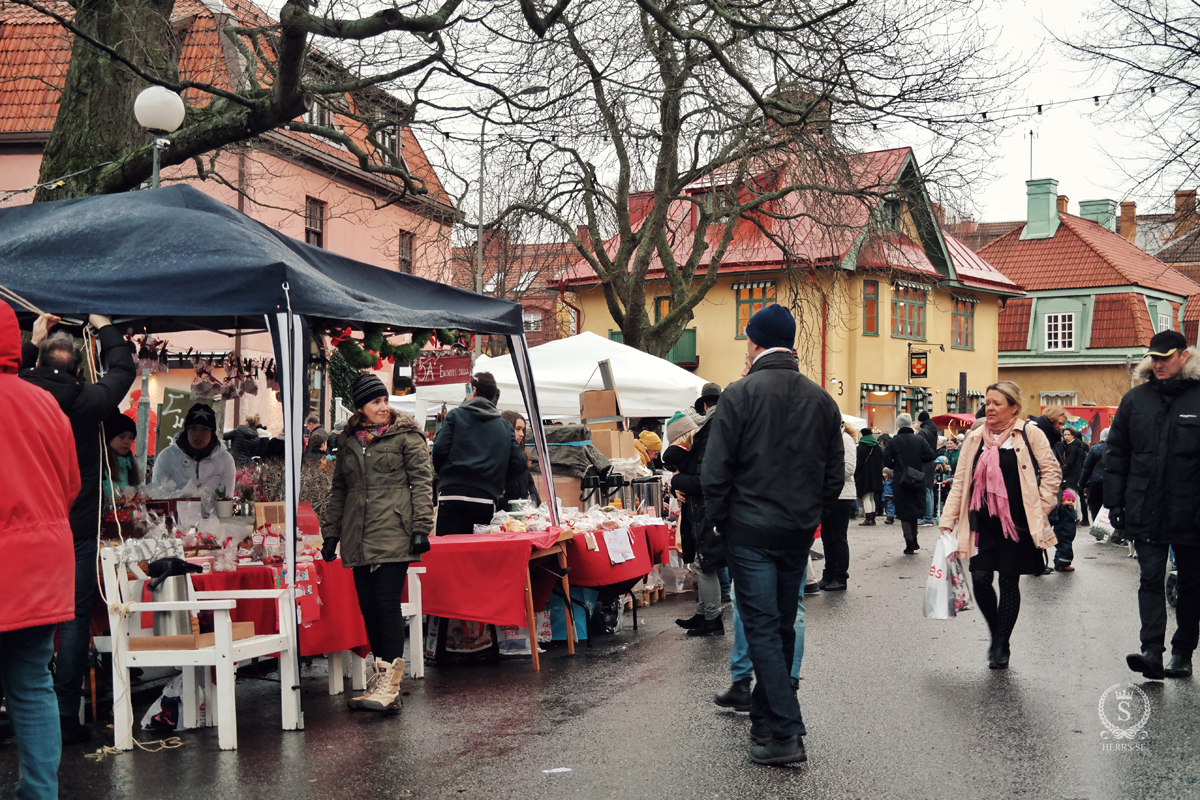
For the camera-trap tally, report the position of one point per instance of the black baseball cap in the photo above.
(1165, 343)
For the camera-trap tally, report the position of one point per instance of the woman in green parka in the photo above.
(381, 510)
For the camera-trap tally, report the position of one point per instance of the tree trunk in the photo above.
(95, 121)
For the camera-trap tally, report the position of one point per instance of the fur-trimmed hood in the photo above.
(1144, 372)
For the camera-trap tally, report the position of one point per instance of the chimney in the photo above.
(1102, 212)
(939, 213)
(1128, 225)
(1041, 218)
(1062, 204)
(1185, 211)
(581, 231)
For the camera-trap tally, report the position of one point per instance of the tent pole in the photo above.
(520, 353)
(291, 361)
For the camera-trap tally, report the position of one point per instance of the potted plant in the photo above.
(224, 504)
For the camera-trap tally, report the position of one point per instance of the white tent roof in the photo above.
(647, 386)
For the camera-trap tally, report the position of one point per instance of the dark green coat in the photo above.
(381, 495)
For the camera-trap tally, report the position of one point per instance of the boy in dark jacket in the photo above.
(475, 455)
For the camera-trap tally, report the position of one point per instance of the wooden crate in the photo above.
(269, 514)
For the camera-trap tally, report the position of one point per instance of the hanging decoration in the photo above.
(151, 352)
(374, 349)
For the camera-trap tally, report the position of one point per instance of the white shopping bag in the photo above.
(1102, 525)
(939, 593)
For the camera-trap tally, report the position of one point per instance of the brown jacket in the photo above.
(1038, 501)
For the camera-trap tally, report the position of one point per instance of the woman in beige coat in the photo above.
(1003, 491)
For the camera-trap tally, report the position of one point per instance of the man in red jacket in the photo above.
(38, 568)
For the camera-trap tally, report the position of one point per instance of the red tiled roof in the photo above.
(1120, 320)
(977, 235)
(821, 232)
(1082, 254)
(1191, 319)
(35, 52)
(1014, 324)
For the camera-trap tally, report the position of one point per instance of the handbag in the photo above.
(939, 589)
(911, 477)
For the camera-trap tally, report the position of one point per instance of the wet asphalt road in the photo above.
(896, 706)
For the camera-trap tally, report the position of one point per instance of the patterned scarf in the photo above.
(988, 482)
(369, 433)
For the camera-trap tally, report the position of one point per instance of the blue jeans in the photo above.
(75, 636)
(1064, 531)
(740, 668)
(929, 503)
(29, 694)
(768, 584)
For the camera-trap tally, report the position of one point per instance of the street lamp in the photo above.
(158, 110)
(528, 90)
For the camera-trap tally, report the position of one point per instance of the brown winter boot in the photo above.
(383, 687)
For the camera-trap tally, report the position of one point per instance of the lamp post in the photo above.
(158, 110)
(528, 90)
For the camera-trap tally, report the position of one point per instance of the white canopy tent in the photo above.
(647, 386)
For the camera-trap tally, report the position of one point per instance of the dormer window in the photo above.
(319, 114)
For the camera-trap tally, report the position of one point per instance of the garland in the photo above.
(376, 349)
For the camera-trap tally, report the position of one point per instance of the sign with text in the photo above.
(173, 410)
(918, 365)
(431, 369)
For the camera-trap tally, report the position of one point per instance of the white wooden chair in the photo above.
(347, 664)
(124, 599)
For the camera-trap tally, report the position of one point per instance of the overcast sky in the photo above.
(1073, 143)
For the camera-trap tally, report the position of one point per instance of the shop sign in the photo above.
(918, 365)
(431, 369)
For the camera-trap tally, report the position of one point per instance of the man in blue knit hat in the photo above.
(774, 465)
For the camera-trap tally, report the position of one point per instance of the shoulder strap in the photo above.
(1037, 470)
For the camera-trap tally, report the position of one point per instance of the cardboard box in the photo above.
(600, 407)
(195, 641)
(614, 443)
(567, 491)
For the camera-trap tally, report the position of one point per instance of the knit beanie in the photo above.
(650, 440)
(772, 326)
(200, 414)
(365, 388)
(116, 424)
(679, 426)
(904, 421)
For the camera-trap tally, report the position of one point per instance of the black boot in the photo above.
(999, 655)
(708, 627)
(1148, 663)
(870, 520)
(779, 751)
(1180, 666)
(910, 537)
(889, 520)
(689, 624)
(737, 696)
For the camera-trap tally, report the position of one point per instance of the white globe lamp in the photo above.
(157, 108)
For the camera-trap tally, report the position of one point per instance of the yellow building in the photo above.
(893, 294)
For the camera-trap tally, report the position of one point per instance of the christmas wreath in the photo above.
(374, 349)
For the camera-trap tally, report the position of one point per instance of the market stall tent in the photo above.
(647, 386)
(175, 259)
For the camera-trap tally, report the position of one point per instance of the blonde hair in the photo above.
(686, 440)
(1054, 413)
(850, 429)
(1010, 390)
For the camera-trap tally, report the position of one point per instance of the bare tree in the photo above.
(1146, 55)
(673, 128)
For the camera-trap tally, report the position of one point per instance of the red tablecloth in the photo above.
(651, 545)
(339, 626)
(482, 577)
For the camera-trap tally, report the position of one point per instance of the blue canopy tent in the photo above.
(175, 259)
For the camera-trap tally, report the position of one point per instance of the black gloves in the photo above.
(1117, 517)
(420, 544)
(329, 549)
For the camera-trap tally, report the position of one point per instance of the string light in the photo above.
(54, 184)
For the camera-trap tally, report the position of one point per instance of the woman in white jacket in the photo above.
(197, 460)
(835, 522)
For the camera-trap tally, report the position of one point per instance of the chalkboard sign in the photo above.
(173, 411)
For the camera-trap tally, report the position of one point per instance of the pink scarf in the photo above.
(988, 481)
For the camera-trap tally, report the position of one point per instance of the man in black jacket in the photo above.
(475, 456)
(86, 405)
(1151, 471)
(929, 432)
(773, 466)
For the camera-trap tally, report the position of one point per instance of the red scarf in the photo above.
(988, 481)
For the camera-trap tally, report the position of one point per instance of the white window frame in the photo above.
(1164, 322)
(531, 321)
(1062, 325)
